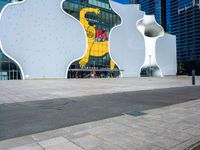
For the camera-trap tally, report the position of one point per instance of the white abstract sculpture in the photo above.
(166, 54)
(151, 31)
(41, 38)
(126, 42)
(139, 45)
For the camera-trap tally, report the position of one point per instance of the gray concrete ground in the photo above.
(168, 128)
(31, 90)
(174, 127)
(19, 119)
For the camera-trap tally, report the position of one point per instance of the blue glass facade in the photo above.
(156, 7)
(123, 1)
(99, 64)
(172, 7)
(126, 1)
(3, 3)
(180, 18)
(183, 20)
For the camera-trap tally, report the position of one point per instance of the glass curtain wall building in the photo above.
(156, 7)
(180, 18)
(8, 69)
(97, 18)
(183, 20)
(126, 1)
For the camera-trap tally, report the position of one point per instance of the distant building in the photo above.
(183, 20)
(126, 1)
(180, 18)
(156, 7)
(55, 45)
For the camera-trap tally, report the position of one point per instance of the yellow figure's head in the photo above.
(91, 32)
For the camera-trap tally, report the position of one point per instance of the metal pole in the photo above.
(193, 77)
(150, 65)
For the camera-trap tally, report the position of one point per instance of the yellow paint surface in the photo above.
(96, 49)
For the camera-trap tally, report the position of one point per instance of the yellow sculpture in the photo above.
(95, 49)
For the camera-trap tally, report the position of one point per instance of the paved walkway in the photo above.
(174, 127)
(31, 90)
(20, 119)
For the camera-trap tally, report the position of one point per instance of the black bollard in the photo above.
(193, 77)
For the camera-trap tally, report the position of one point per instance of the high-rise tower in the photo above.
(183, 20)
(156, 7)
(180, 18)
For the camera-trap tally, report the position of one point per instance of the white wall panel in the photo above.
(127, 46)
(41, 38)
(166, 54)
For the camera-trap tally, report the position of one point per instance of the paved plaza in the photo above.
(32, 90)
(100, 114)
(173, 127)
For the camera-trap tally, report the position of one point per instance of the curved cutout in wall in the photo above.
(41, 38)
(97, 18)
(126, 42)
(151, 31)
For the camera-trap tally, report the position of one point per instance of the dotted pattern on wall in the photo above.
(41, 37)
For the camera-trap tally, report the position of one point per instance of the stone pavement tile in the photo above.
(159, 141)
(11, 143)
(186, 144)
(58, 143)
(171, 118)
(163, 142)
(106, 146)
(97, 130)
(53, 141)
(148, 129)
(81, 127)
(144, 129)
(141, 134)
(116, 127)
(194, 119)
(88, 142)
(179, 136)
(150, 147)
(157, 129)
(179, 126)
(28, 147)
(48, 134)
(122, 140)
(64, 146)
(156, 140)
(72, 136)
(193, 131)
(113, 137)
(107, 127)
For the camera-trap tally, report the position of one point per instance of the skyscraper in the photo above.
(180, 18)
(183, 20)
(126, 1)
(155, 7)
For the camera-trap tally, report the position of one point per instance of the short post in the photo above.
(193, 77)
